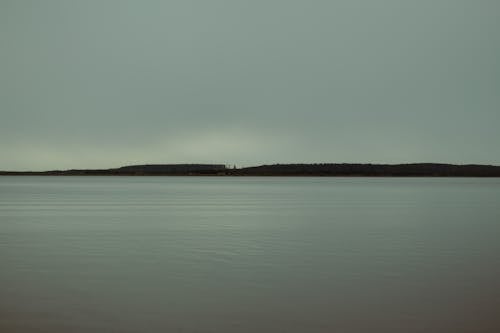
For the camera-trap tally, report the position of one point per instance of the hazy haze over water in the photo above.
(228, 254)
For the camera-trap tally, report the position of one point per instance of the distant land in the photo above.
(322, 169)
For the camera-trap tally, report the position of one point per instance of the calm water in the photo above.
(195, 254)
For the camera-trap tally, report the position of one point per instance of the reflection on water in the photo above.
(196, 254)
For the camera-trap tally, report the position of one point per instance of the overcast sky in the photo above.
(105, 83)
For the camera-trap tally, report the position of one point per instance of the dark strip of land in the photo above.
(323, 169)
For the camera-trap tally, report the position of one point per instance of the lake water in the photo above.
(256, 254)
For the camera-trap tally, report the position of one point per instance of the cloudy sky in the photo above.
(104, 83)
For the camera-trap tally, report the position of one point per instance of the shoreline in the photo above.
(281, 170)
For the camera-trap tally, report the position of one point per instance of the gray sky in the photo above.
(104, 83)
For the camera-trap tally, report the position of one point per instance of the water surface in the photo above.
(222, 254)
